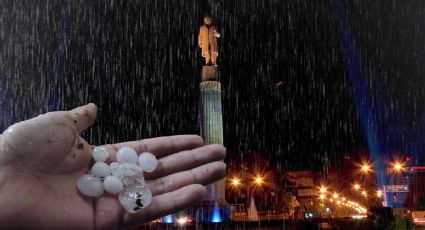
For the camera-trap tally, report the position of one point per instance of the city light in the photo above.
(379, 193)
(335, 195)
(365, 168)
(356, 186)
(397, 166)
(323, 189)
(182, 220)
(364, 193)
(359, 216)
(258, 180)
(235, 181)
(321, 196)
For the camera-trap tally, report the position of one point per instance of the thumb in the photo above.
(83, 116)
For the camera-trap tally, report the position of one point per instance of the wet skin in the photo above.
(41, 159)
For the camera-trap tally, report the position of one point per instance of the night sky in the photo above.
(139, 62)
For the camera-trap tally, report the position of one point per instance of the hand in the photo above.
(41, 160)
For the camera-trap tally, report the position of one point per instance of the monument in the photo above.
(214, 207)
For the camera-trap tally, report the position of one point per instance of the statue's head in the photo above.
(207, 20)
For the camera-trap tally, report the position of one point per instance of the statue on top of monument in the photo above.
(207, 41)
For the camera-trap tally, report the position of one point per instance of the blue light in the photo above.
(167, 219)
(216, 216)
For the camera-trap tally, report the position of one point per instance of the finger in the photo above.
(108, 212)
(187, 159)
(204, 174)
(160, 146)
(83, 116)
(167, 203)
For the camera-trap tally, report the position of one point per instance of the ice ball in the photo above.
(148, 162)
(113, 185)
(135, 197)
(90, 185)
(126, 154)
(101, 169)
(100, 154)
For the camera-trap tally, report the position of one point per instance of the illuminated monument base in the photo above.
(213, 209)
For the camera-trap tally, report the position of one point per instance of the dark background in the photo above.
(139, 62)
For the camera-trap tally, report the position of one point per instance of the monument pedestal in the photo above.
(209, 73)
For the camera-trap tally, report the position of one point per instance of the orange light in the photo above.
(321, 196)
(235, 181)
(259, 180)
(364, 193)
(356, 186)
(365, 168)
(335, 195)
(379, 193)
(397, 166)
(323, 189)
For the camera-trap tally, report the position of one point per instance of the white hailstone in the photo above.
(129, 181)
(131, 170)
(126, 154)
(101, 169)
(90, 186)
(148, 162)
(113, 185)
(132, 173)
(129, 173)
(133, 180)
(100, 154)
(116, 170)
(135, 197)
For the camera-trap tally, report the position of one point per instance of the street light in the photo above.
(379, 193)
(365, 168)
(356, 186)
(323, 189)
(397, 166)
(235, 182)
(258, 180)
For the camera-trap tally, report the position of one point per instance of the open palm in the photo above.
(41, 159)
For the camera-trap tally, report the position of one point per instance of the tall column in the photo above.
(211, 123)
(211, 119)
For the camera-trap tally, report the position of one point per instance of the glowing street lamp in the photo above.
(335, 195)
(379, 193)
(364, 193)
(323, 189)
(322, 196)
(356, 186)
(258, 180)
(397, 167)
(365, 168)
(235, 182)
